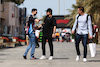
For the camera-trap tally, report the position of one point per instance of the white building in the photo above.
(10, 19)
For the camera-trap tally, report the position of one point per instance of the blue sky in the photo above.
(42, 5)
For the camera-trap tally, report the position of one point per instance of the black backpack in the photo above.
(31, 20)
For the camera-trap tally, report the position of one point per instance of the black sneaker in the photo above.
(24, 57)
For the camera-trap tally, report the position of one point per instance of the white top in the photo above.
(37, 33)
(63, 33)
(83, 26)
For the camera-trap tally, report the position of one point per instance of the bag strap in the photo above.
(87, 21)
(87, 18)
(30, 17)
(77, 21)
(77, 18)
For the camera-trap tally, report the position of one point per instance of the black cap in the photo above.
(49, 10)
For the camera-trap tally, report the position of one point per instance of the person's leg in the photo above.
(58, 38)
(33, 45)
(84, 42)
(62, 38)
(50, 45)
(27, 40)
(43, 45)
(43, 48)
(78, 39)
(37, 44)
(28, 48)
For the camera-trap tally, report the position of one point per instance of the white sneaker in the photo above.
(84, 60)
(50, 58)
(43, 57)
(77, 58)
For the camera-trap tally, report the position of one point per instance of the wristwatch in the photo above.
(53, 33)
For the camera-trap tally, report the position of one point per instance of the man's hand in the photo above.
(40, 19)
(53, 35)
(39, 26)
(90, 37)
(54, 30)
(72, 32)
(37, 20)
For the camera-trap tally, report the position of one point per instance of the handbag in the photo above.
(92, 47)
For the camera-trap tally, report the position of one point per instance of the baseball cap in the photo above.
(49, 10)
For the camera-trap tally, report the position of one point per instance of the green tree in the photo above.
(18, 2)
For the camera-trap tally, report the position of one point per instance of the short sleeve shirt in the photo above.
(50, 22)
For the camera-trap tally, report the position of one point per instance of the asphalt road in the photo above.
(64, 56)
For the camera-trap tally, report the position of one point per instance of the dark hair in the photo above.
(34, 9)
(49, 10)
(81, 8)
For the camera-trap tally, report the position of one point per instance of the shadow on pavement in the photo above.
(3, 54)
(93, 60)
(55, 58)
(1, 61)
(60, 58)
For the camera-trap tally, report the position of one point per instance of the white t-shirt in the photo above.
(37, 33)
(63, 34)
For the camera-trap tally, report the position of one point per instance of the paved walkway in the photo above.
(64, 56)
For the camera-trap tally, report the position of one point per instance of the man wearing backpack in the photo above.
(31, 33)
(83, 21)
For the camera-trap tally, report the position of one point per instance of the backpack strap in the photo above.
(87, 21)
(77, 19)
(30, 20)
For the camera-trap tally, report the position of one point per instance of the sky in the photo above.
(42, 5)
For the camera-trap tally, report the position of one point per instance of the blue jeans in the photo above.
(31, 45)
(84, 38)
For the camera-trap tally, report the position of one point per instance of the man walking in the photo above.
(31, 34)
(49, 29)
(83, 21)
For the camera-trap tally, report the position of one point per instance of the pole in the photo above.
(58, 7)
(64, 6)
